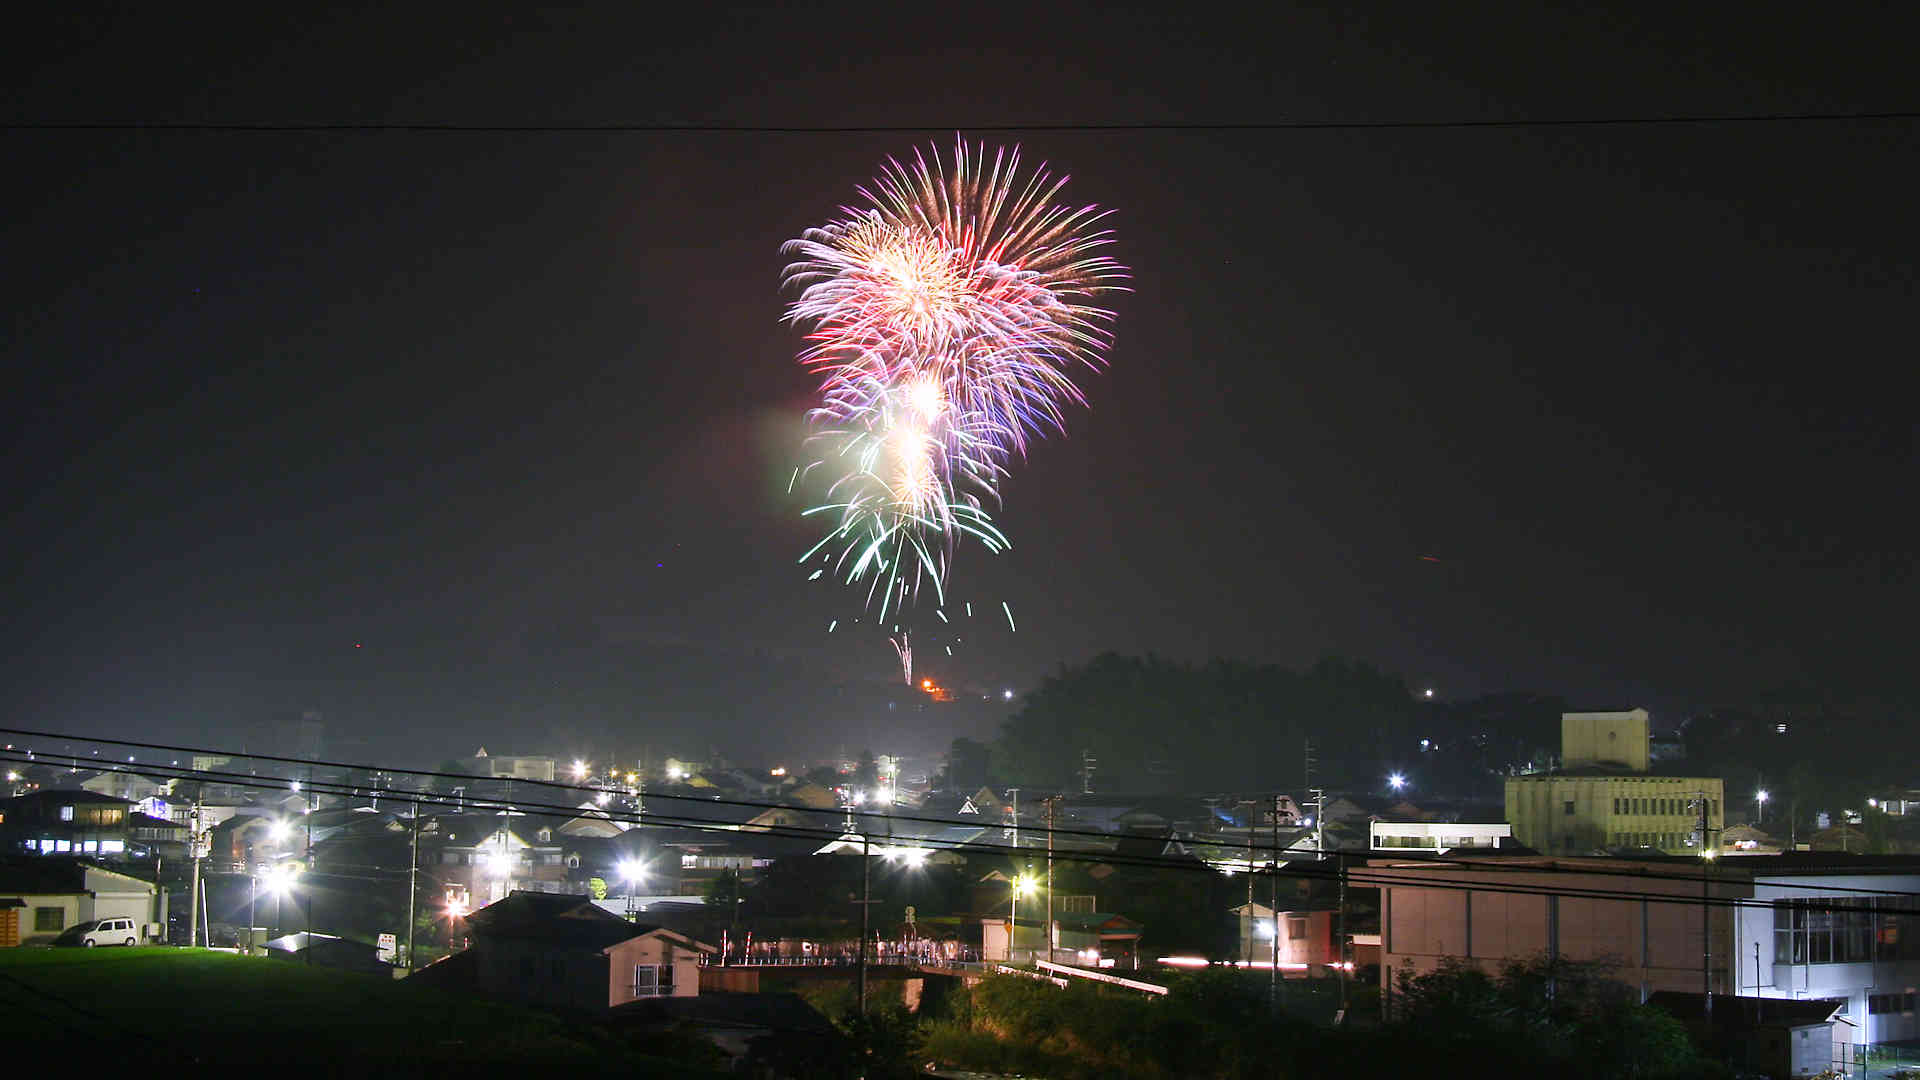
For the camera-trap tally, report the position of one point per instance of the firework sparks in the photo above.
(946, 317)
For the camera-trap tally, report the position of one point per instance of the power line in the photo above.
(1365, 878)
(1299, 870)
(402, 127)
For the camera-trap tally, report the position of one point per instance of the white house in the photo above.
(55, 892)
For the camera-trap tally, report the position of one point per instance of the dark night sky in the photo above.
(453, 435)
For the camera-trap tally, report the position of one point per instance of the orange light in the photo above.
(926, 684)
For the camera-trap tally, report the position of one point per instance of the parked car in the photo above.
(100, 932)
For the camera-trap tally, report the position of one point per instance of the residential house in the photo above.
(1307, 943)
(1803, 925)
(493, 856)
(565, 952)
(590, 820)
(160, 838)
(55, 892)
(124, 784)
(1096, 939)
(65, 822)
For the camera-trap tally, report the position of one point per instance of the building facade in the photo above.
(1570, 814)
(1437, 837)
(1804, 926)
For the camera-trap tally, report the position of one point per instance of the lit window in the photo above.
(112, 846)
(66, 813)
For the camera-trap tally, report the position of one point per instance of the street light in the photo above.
(632, 871)
(579, 769)
(1022, 886)
(1759, 805)
(1396, 781)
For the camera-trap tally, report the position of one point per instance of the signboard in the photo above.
(389, 948)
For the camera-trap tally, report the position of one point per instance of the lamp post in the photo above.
(1022, 884)
(632, 871)
(1759, 806)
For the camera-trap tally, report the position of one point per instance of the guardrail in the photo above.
(1101, 976)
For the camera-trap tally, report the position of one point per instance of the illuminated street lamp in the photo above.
(579, 769)
(1759, 805)
(1396, 781)
(632, 871)
(1023, 885)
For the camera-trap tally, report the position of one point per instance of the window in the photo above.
(50, 919)
(1852, 931)
(66, 813)
(646, 980)
(1296, 929)
(1567, 809)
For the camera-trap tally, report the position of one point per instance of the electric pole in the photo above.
(1273, 896)
(1252, 813)
(1050, 933)
(193, 903)
(413, 874)
(866, 901)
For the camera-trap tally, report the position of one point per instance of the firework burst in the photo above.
(946, 317)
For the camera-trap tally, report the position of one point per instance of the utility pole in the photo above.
(866, 901)
(1273, 897)
(1013, 796)
(1706, 905)
(1252, 813)
(413, 875)
(1050, 934)
(1341, 907)
(310, 889)
(193, 904)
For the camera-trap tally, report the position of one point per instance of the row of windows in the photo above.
(1890, 1003)
(92, 815)
(1658, 806)
(1853, 931)
(82, 847)
(1663, 840)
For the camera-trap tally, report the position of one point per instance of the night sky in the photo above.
(484, 437)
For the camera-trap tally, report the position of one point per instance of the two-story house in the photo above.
(565, 952)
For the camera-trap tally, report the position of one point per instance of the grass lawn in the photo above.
(183, 1005)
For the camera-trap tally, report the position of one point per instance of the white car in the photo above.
(101, 932)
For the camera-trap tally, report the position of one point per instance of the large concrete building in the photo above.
(1602, 798)
(1798, 926)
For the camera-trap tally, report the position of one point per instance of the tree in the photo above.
(866, 776)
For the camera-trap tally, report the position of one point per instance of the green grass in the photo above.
(180, 1005)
